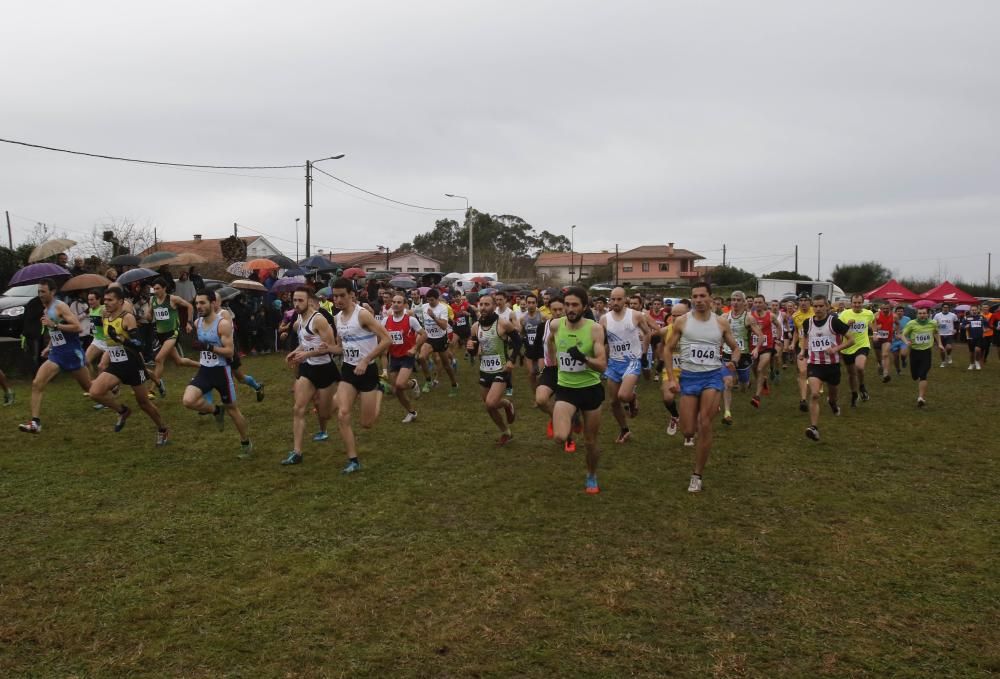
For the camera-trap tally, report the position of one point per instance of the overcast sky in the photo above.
(751, 124)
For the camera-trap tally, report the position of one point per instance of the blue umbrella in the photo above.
(318, 262)
(288, 284)
(133, 275)
(36, 272)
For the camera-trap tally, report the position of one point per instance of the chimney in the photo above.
(197, 236)
(670, 249)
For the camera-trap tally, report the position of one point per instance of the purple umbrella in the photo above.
(288, 283)
(36, 272)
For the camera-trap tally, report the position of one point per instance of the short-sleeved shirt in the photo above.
(859, 322)
(920, 333)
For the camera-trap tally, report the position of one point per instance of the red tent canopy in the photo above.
(892, 290)
(946, 292)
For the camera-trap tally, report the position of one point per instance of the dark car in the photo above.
(12, 305)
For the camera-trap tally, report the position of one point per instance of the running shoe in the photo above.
(904, 361)
(767, 388)
(453, 392)
(410, 417)
(426, 388)
(152, 396)
(260, 392)
(803, 406)
(972, 367)
(727, 418)
(8, 397)
(321, 436)
(886, 378)
(979, 366)
(591, 487)
(293, 458)
(623, 436)
(220, 418)
(163, 437)
(949, 360)
(353, 465)
(865, 396)
(569, 446)
(755, 401)
(854, 399)
(689, 442)
(161, 387)
(694, 486)
(509, 409)
(834, 408)
(30, 427)
(921, 402)
(942, 364)
(122, 419)
(548, 430)
(633, 406)
(504, 439)
(101, 406)
(416, 389)
(812, 433)
(454, 364)
(509, 392)
(672, 427)
(246, 450)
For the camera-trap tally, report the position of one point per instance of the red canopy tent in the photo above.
(946, 292)
(892, 290)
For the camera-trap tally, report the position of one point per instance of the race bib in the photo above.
(753, 340)
(621, 349)
(209, 357)
(396, 336)
(704, 354)
(568, 364)
(975, 324)
(531, 337)
(161, 313)
(922, 338)
(56, 338)
(741, 343)
(352, 355)
(490, 364)
(676, 361)
(859, 326)
(882, 334)
(117, 354)
(820, 344)
(460, 320)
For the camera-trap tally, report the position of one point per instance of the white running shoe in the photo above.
(410, 417)
(416, 389)
(672, 427)
(942, 364)
(972, 367)
(949, 360)
(695, 485)
(689, 441)
(921, 402)
(978, 366)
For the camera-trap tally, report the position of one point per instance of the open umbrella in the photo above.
(283, 262)
(248, 285)
(238, 269)
(380, 275)
(296, 271)
(319, 262)
(403, 283)
(49, 248)
(431, 277)
(263, 264)
(36, 272)
(423, 290)
(288, 283)
(133, 275)
(509, 287)
(125, 260)
(85, 281)
(187, 259)
(325, 293)
(157, 259)
(227, 292)
(353, 272)
(963, 307)
(924, 304)
(482, 280)
(487, 291)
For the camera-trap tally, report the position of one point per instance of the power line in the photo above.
(152, 162)
(391, 200)
(355, 196)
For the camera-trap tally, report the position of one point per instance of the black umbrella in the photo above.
(296, 271)
(509, 287)
(133, 275)
(432, 278)
(403, 283)
(318, 262)
(125, 260)
(283, 262)
(227, 293)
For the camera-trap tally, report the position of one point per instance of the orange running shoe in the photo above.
(570, 446)
(548, 431)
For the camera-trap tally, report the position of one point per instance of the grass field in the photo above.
(872, 553)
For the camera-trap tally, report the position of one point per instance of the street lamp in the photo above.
(296, 239)
(819, 250)
(309, 194)
(572, 253)
(468, 224)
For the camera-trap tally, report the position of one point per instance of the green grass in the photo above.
(872, 553)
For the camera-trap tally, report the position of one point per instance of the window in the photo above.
(645, 267)
(627, 268)
(370, 269)
(413, 269)
(429, 269)
(664, 266)
(395, 269)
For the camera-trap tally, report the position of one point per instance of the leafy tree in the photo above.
(12, 260)
(860, 277)
(729, 275)
(787, 276)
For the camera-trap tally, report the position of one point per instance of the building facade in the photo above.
(374, 260)
(209, 248)
(658, 265)
(562, 268)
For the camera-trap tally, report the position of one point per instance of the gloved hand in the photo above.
(577, 355)
(112, 333)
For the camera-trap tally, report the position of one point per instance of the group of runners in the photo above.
(576, 354)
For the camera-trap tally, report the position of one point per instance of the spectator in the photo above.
(199, 282)
(111, 274)
(185, 288)
(31, 333)
(78, 267)
(62, 259)
(165, 274)
(78, 305)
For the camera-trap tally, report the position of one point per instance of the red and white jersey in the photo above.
(403, 333)
(660, 319)
(765, 321)
(822, 336)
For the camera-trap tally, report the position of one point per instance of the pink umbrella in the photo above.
(423, 290)
(924, 304)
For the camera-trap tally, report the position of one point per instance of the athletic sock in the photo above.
(36, 420)
(671, 407)
(251, 382)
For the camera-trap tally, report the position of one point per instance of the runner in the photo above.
(764, 344)
(899, 349)
(532, 327)
(699, 334)
(163, 311)
(407, 336)
(855, 356)
(363, 339)
(216, 347)
(99, 343)
(919, 335)
(802, 314)
(124, 365)
(578, 344)
(884, 331)
(672, 372)
(743, 326)
(988, 324)
(503, 311)
(548, 378)
(974, 325)
(435, 319)
(820, 348)
(236, 363)
(464, 318)
(628, 333)
(317, 373)
(656, 319)
(64, 353)
(947, 323)
(490, 337)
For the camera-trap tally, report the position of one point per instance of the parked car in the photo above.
(12, 308)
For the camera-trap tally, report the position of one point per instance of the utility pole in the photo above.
(309, 196)
(616, 265)
(989, 265)
(819, 252)
(796, 259)
(296, 239)
(723, 254)
(236, 233)
(155, 239)
(10, 235)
